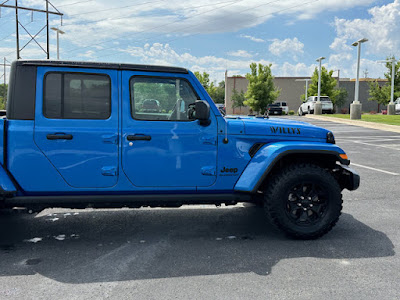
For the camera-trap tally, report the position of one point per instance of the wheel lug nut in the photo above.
(311, 205)
(298, 204)
(302, 198)
(304, 208)
(309, 198)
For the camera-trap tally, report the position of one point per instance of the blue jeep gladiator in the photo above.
(83, 134)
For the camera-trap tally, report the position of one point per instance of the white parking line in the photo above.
(375, 169)
(370, 137)
(370, 140)
(382, 146)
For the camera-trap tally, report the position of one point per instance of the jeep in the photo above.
(78, 134)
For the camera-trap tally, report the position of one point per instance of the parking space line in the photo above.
(382, 146)
(371, 137)
(375, 169)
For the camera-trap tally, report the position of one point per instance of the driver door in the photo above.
(161, 146)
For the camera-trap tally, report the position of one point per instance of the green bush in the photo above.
(291, 112)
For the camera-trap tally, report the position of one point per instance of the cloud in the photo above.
(340, 44)
(382, 29)
(101, 20)
(307, 12)
(289, 46)
(293, 70)
(252, 38)
(240, 53)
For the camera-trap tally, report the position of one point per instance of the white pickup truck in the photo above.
(397, 105)
(308, 106)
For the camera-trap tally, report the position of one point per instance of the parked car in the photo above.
(308, 106)
(151, 105)
(274, 109)
(73, 137)
(284, 106)
(397, 105)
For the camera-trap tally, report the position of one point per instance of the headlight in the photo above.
(330, 138)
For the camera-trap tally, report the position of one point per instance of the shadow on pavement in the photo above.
(106, 246)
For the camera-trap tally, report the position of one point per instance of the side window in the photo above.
(161, 99)
(77, 96)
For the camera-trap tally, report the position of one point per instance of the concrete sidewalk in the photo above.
(379, 126)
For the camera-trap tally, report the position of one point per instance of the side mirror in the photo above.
(202, 112)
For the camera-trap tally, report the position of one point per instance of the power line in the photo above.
(130, 15)
(75, 3)
(108, 9)
(197, 25)
(159, 26)
(191, 35)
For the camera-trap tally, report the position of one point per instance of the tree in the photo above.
(341, 97)
(203, 78)
(378, 93)
(3, 88)
(328, 87)
(261, 90)
(238, 99)
(217, 93)
(381, 94)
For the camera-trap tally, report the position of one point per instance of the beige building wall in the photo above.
(291, 91)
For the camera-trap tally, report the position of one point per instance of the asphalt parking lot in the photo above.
(216, 253)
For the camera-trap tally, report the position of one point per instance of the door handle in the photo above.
(59, 136)
(138, 137)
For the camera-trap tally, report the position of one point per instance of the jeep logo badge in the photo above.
(229, 170)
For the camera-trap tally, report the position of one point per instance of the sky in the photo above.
(214, 36)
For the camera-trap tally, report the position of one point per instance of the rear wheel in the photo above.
(304, 201)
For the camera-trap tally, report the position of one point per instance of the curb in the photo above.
(378, 126)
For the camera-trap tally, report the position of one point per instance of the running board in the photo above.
(117, 201)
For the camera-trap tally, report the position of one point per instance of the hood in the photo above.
(278, 127)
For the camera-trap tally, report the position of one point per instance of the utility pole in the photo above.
(33, 37)
(5, 65)
(47, 29)
(4, 90)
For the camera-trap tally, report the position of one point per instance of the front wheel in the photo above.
(304, 201)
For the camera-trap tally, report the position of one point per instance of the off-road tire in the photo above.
(282, 189)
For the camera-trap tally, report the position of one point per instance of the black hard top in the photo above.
(101, 65)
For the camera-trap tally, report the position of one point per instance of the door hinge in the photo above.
(109, 171)
(208, 171)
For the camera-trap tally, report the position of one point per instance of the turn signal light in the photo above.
(344, 156)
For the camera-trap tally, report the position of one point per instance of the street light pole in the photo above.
(58, 40)
(307, 81)
(338, 77)
(391, 106)
(355, 107)
(318, 104)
